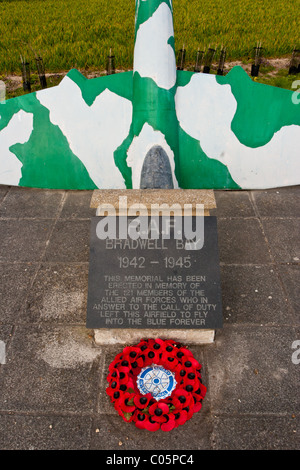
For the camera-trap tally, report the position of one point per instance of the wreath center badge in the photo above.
(156, 380)
(156, 384)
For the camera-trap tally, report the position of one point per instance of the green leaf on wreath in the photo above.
(146, 411)
(130, 402)
(130, 390)
(127, 416)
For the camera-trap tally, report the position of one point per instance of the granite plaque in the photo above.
(154, 282)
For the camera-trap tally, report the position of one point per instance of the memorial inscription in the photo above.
(154, 283)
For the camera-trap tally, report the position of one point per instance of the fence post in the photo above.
(2, 92)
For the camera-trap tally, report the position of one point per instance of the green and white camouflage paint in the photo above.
(218, 132)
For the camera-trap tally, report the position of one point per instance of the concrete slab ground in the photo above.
(52, 386)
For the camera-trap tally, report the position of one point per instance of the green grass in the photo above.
(78, 33)
(281, 79)
(34, 82)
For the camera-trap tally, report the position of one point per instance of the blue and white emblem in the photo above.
(156, 380)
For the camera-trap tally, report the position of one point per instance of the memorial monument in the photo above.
(154, 266)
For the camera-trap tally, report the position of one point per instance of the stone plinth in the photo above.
(147, 197)
(106, 336)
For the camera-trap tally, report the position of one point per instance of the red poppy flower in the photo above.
(181, 398)
(151, 425)
(159, 405)
(113, 376)
(115, 362)
(159, 411)
(140, 424)
(181, 417)
(168, 343)
(151, 357)
(200, 392)
(124, 402)
(142, 401)
(110, 392)
(189, 363)
(131, 384)
(197, 407)
(169, 361)
(169, 425)
(131, 352)
(146, 344)
(186, 352)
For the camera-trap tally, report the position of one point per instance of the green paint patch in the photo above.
(197, 171)
(8, 109)
(120, 156)
(47, 159)
(171, 42)
(184, 77)
(121, 84)
(262, 110)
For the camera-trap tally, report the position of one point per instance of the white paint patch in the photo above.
(93, 132)
(140, 147)
(18, 131)
(67, 348)
(153, 56)
(205, 111)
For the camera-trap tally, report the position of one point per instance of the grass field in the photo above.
(78, 33)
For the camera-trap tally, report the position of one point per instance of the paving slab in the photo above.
(58, 295)
(3, 191)
(50, 370)
(69, 242)
(280, 202)
(251, 371)
(234, 204)
(283, 238)
(241, 241)
(14, 280)
(77, 205)
(254, 295)
(33, 203)
(112, 433)
(6, 332)
(290, 276)
(23, 239)
(255, 432)
(45, 432)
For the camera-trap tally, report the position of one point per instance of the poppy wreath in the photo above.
(144, 410)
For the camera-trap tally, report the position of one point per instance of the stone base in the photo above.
(146, 197)
(104, 337)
